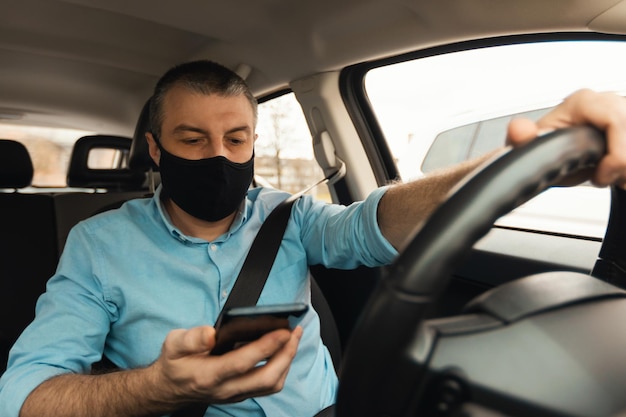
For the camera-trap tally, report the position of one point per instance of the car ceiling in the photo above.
(92, 64)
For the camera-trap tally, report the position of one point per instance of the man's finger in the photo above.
(179, 343)
(520, 131)
(266, 379)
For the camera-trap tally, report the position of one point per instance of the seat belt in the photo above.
(256, 268)
(260, 258)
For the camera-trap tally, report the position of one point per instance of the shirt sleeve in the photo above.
(344, 237)
(68, 332)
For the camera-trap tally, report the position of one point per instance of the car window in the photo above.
(440, 110)
(284, 149)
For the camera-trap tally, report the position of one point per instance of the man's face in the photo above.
(197, 126)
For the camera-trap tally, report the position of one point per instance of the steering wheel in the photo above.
(380, 375)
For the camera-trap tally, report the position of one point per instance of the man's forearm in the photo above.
(125, 393)
(404, 207)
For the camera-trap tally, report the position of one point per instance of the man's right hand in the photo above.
(189, 373)
(184, 373)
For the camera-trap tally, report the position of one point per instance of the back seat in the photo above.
(35, 225)
(121, 184)
(28, 244)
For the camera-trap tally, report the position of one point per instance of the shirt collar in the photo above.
(242, 215)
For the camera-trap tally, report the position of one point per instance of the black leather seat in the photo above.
(35, 225)
(111, 187)
(16, 167)
(28, 244)
(81, 174)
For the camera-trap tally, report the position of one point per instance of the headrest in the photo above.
(139, 158)
(80, 174)
(16, 167)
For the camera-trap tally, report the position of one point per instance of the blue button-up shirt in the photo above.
(129, 276)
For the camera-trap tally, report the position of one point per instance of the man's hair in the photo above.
(205, 77)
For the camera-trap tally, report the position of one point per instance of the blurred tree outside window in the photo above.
(284, 149)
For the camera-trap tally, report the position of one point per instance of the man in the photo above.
(129, 277)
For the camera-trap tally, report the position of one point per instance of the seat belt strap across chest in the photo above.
(258, 263)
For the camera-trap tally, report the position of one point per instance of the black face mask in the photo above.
(209, 189)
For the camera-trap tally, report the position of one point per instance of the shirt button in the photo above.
(224, 294)
(213, 247)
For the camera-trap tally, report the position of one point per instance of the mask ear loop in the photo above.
(152, 173)
(152, 180)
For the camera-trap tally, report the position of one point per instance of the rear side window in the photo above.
(440, 110)
(49, 149)
(284, 148)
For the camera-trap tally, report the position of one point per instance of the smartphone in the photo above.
(241, 325)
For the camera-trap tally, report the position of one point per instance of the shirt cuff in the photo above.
(15, 390)
(379, 246)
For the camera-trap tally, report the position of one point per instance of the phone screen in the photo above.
(242, 325)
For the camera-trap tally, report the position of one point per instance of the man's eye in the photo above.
(191, 141)
(237, 141)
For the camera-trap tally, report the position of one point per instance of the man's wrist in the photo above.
(162, 390)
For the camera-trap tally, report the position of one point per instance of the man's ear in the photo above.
(155, 152)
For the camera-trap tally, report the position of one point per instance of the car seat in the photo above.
(121, 178)
(28, 244)
(106, 188)
(35, 225)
